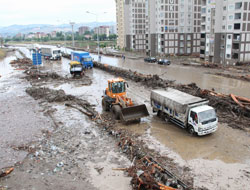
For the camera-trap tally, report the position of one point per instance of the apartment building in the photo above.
(225, 33)
(102, 30)
(120, 23)
(173, 27)
(83, 29)
(135, 25)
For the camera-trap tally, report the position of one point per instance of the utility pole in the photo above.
(73, 40)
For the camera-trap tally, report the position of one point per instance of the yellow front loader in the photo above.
(115, 100)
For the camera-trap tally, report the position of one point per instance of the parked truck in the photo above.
(185, 110)
(51, 53)
(84, 58)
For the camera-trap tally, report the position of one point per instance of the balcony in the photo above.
(236, 38)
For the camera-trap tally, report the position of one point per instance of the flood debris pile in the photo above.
(147, 170)
(148, 80)
(33, 73)
(21, 62)
(241, 77)
(228, 110)
(48, 94)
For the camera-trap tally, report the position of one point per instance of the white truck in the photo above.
(185, 110)
(51, 53)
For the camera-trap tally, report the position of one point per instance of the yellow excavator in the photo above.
(115, 100)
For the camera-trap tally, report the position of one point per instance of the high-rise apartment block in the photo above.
(216, 30)
(120, 23)
(135, 25)
(225, 35)
(173, 27)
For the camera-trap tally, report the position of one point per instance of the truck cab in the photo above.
(56, 54)
(202, 120)
(87, 61)
(83, 57)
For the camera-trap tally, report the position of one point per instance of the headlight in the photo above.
(199, 129)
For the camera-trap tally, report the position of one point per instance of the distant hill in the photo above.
(24, 29)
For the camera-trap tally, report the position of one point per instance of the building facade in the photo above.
(173, 27)
(83, 29)
(226, 39)
(216, 30)
(135, 25)
(120, 23)
(102, 30)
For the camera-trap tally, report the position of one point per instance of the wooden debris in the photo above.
(6, 172)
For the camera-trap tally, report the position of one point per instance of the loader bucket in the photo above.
(134, 112)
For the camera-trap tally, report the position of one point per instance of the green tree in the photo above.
(112, 36)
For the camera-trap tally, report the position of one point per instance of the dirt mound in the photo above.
(33, 74)
(48, 94)
(21, 62)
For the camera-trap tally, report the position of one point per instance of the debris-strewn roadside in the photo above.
(241, 77)
(235, 115)
(149, 170)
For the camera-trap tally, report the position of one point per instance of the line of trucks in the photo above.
(187, 111)
(79, 60)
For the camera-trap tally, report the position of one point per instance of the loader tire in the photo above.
(104, 105)
(116, 111)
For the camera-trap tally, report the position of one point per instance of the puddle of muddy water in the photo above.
(107, 178)
(5, 67)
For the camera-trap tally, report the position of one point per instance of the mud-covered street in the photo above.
(55, 135)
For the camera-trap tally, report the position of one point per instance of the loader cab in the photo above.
(116, 87)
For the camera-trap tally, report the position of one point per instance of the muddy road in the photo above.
(203, 77)
(83, 155)
(227, 148)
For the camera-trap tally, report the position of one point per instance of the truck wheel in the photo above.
(116, 111)
(104, 105)
(159, 113)
(191, 130)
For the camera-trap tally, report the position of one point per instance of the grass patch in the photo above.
(2, 53)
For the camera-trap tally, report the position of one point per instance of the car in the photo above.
(164, 62)
(150, 59)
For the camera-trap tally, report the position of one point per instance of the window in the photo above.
(238, 5)
(229, 37)
(231, 17)
(237, 26)
(231, 7)
(229, 27)
(228, 56)
(237, 16)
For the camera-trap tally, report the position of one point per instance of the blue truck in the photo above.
(84, 58)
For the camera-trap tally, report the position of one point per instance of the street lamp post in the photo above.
(73, 40)
(98, 40)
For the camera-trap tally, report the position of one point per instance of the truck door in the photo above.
(193, 118)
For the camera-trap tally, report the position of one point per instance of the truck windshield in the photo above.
(88, 59)
(207, 116)
(118, 87)
(56, 52)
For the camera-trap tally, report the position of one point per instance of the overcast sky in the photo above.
(54, 12)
